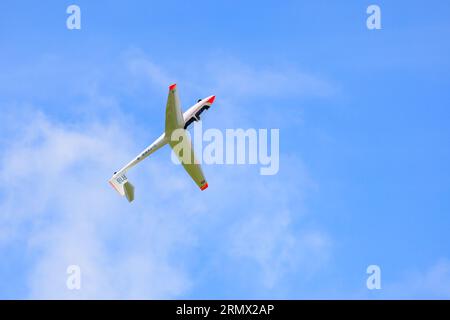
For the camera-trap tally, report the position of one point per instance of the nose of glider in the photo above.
(211, 100)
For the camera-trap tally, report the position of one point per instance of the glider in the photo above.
(175, 120)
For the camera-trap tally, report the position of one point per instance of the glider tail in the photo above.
(120, 183)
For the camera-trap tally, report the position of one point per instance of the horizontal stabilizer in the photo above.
(129, 191)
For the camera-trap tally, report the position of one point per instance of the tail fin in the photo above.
(119, 181)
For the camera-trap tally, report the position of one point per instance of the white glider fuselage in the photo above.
(192, 114)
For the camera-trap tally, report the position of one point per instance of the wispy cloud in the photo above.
(233, 78)
(269, 240)
(55, 195)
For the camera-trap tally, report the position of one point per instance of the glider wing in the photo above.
(179, 140)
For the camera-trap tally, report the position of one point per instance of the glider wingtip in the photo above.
(172, 86)
(204, 186)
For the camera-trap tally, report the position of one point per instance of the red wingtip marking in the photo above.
(204, 187)
(211, 100)
(172, 86)
(112, 185)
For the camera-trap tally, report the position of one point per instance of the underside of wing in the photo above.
(174, 116)
(183, 149)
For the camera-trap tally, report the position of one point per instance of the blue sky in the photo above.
(364, 149)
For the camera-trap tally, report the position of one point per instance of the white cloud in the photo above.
(242, 80)
(139, 65)
(55, 194)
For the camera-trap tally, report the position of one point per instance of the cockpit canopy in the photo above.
(196, 116)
